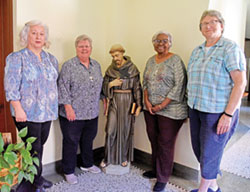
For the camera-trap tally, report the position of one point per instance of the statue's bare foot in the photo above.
(125, 163)
(103, 164)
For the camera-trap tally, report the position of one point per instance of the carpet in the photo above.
(236, 159)
(131, 182)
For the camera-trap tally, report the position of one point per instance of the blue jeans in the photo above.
(207, 145)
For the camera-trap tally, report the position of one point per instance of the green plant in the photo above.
(10, 154)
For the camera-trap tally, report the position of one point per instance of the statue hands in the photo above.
(115, 82)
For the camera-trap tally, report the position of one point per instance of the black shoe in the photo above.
(47, 184)
(159, 186)
(149, 174)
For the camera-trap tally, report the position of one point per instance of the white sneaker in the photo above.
(71, 178)
(93, 169)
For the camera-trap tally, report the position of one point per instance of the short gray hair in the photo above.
(212, 13)
(25, 31)
(170, 39)
(83, 38)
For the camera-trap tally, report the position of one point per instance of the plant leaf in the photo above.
(31, 139)
(31, 177)
(29, 146)
(33, 169)
(36, 161)
(19, 145)
(3, 163)
(23, 132)
(9, 178)
(26, 156)
(5, 188)
(20, 176)
(10, 157)
(1, 143)
(14, 170)
(10, 148)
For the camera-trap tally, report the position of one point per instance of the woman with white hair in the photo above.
(164, 86)
(79, 87)
(30, 84)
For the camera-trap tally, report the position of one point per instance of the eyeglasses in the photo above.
(158, 41)
(211, 23)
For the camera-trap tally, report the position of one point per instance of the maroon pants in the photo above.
(162, 132)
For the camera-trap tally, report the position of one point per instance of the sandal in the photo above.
(124, 164)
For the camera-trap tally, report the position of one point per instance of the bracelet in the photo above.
(160, 107)
(227, 114)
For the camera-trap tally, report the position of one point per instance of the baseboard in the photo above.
(140, 157)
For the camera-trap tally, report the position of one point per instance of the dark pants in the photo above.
(207, 145)
(41, 132)
(76, 132)
(162, 132)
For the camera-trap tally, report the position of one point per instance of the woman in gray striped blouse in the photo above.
(165, 107)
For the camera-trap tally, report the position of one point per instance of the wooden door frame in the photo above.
(6, 47)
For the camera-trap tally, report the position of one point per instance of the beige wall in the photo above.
(129, 22)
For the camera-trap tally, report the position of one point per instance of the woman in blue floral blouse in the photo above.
(30, 84)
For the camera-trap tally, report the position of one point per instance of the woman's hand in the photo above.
(224, 124)
(149, 106)
(70, 113)
(157, 108)
(20, 114)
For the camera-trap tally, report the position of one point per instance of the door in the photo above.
(6, 47)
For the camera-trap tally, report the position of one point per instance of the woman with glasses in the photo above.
(216, 83)
(164, 87)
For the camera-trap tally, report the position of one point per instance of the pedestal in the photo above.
(116, 169)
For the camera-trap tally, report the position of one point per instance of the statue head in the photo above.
(117, 52)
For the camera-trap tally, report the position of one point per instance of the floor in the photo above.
(228, 182)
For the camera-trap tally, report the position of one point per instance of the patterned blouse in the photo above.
(167, 79)
(81, 88)
(33, 83)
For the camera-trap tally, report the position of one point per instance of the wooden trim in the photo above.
(6, 47)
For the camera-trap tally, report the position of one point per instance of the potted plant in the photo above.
(17, 162)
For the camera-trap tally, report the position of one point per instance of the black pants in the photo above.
(76, 132)
(41, 132)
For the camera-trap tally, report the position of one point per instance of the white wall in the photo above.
(235, 14)
(129, 22)
(248, 21)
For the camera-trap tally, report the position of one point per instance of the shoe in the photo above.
(210, 190)
(47, 184)
(93, 169)
(159, 186)
(71, 178)
(40, 189)
(149, 174)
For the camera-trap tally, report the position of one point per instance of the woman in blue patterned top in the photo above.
(216, 83)
(30, 84)
(164, 86)
(79, 84)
